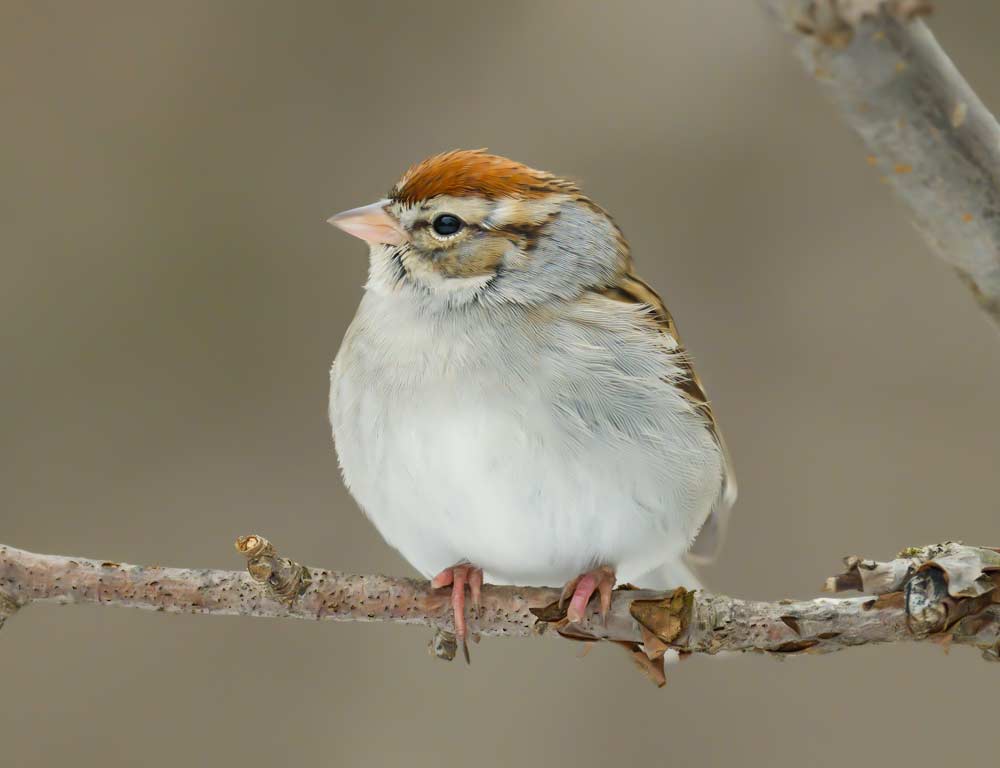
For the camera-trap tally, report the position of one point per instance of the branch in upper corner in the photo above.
(948, 593)
(927, 133)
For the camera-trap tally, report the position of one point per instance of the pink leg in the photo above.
(582, 588)
(458, 576)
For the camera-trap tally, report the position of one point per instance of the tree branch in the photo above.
(947, 593)
(927, 132)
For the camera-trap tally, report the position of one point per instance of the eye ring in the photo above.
(447, 225)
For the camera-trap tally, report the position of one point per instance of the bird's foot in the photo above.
(579, 591)
(458, 576)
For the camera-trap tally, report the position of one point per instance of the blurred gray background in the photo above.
(171, 299)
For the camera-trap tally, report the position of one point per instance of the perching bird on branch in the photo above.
(511, 402)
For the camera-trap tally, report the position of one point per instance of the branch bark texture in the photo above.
(948, 593)
(927, 133)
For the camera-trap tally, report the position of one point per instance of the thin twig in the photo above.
(928, 134)
(947, 593)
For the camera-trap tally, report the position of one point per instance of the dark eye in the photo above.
(446, 224)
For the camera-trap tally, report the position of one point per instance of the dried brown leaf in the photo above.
(651, 668)
(653, 646)
(665, 618)
(550, 613)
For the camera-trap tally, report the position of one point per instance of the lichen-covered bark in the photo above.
(26, 577)
(928, 134)
(948, 593)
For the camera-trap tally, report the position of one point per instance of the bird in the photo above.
(512, 403)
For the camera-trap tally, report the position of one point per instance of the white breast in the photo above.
(533, 447)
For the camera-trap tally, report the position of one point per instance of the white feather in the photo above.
(533, 442)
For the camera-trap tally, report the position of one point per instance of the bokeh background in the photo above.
(171, 299)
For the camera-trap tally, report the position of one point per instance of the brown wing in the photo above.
(631, 289)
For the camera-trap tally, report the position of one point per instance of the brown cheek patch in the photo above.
(484, 259)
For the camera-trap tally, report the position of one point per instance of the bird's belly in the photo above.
(497, 479)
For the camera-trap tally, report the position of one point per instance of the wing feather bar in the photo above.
(631, 289)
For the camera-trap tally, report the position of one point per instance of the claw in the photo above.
(458, 602)
(585, 587)
(582, 588)
(476, 588)
(605, 587)
(458, 576)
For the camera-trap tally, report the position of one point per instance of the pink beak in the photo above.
(371, 223)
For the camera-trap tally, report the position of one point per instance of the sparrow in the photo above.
(511, 402)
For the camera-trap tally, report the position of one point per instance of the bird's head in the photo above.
(467, 226)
